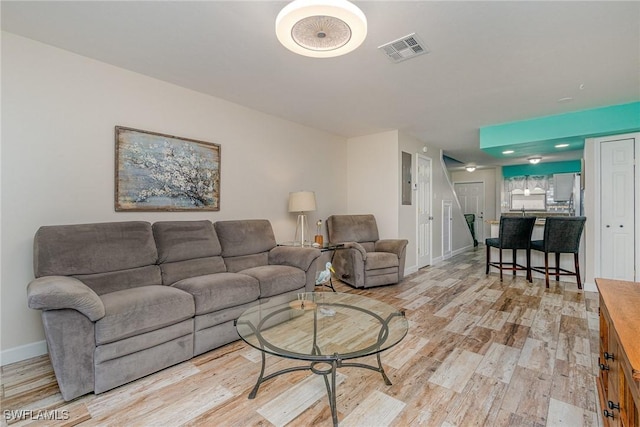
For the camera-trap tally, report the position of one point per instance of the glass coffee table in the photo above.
(325, 329)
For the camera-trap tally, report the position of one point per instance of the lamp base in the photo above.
(302, 230)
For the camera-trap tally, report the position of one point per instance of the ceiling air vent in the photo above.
(404, 48)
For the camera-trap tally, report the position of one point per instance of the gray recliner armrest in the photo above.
(396, 246)
(358, 247)
(60, 292)
(301, 258)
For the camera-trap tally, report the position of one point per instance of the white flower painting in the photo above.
(156, 172)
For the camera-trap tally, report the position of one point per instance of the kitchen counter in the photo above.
(539, 215)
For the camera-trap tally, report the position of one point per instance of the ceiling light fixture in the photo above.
(534, 160)
(508, 152)
(470, 168)
(561, 145)
(321, 28)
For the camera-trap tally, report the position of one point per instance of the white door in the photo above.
(424, 212)
(617, 218)
(471, 198)
(447, 219)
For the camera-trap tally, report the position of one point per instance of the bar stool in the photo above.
(515, 233)
(561, 236)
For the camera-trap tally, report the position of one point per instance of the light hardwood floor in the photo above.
(479, 352)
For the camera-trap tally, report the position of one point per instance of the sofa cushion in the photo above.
(185, 240)
(215, 292)
(138, 310)
(239, 263)
(245, 237)
(66, 250)
(352, 228)
(377, 260)
(173, 272)
(111, 281)
(277, 279)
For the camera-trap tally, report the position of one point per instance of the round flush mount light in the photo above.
(534, 160)
(470, 168)
(321, 28)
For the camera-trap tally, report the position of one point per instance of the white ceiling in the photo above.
(489, 62)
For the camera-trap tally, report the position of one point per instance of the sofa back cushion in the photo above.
(187, 249)
(96, 252)
(245, 243)
(353, 228)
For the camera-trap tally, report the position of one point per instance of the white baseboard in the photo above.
(410, 270)
(461, 250)
(23, 352)
(590, 287)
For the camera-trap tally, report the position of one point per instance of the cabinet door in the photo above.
(614, 374)
(628, 408)
(604, 348)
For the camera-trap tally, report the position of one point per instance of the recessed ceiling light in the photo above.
(561, 145)
(508, 152)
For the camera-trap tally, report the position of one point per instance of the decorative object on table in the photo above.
(158, 172)
(301, 202)
(318, 240)
(325, 275)
(321, 28)
(302, 303)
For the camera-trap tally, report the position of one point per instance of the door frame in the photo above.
(447, 223)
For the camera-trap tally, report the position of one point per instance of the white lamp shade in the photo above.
(302, 201)
(321, 28)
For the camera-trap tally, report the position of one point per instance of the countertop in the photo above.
(540, 216)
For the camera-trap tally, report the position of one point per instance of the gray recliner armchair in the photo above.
(366, 260)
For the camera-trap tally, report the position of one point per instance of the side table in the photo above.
(326, 247)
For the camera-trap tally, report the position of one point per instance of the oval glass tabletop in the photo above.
(322, 325)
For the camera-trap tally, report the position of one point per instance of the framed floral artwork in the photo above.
(157, 172)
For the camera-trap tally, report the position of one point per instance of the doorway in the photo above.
(471, 198)
(424, 214)
(618, 218)
(447, 219)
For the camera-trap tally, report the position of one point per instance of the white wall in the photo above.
(372, 179)
(58, 116)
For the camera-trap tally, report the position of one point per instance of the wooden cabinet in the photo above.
(619, 358)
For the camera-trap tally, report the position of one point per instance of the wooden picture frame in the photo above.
(158, 172)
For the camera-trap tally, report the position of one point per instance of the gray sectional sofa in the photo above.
(122, 300)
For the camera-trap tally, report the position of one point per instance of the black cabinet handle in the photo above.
(604, 367)
(612, 405)
(607, 414)
(608, 356)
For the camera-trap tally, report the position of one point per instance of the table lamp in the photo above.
(301, 202)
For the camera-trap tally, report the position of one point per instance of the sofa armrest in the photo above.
(301, 258)
(357, 246)
(60, 292)
(395, 246)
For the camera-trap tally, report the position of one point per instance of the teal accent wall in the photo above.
(538, 136)
(570, 166)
